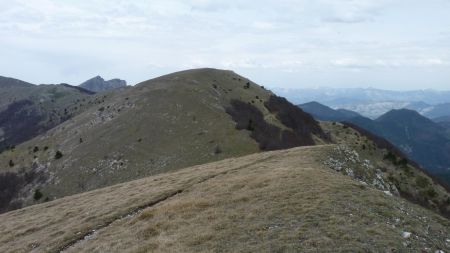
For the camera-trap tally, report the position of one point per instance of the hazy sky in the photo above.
(393, 44)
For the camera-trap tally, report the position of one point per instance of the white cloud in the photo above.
(307, 38)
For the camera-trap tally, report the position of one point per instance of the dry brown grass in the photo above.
(282, 201)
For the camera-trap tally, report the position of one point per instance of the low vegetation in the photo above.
(282, 201)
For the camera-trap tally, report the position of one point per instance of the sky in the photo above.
(387, 44)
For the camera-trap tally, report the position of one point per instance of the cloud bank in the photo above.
(287, 43)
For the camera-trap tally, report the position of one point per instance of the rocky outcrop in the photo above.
(347, 161)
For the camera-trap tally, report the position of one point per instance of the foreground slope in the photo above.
(167, 123)
(268, 202)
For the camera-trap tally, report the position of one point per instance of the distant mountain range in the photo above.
(373, 103)
(423, 140)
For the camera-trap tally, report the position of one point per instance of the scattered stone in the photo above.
(388, 193)
(406, 235)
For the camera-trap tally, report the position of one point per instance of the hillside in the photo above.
(444, 122)
(167, 123)
(437, 111)
(422, 140)
(279, 201)
(27, 110)
(98, 84)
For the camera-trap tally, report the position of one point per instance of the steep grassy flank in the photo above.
(281, 201)
(167, 123)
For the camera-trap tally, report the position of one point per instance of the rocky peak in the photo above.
(98, 84)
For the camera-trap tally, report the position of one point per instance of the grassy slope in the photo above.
(163, 124)
(409, 181)
(268, 202)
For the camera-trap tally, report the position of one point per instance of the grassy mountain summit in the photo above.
(279, 201)
(170, 122)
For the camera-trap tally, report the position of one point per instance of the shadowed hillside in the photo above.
(27, 110)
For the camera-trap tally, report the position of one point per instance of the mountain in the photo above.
(371, 102)
(27, 110)
(174, 121)
(280, 201)
(323, 112)
(442, 119)
(444, 122)
(348, 113)
(98, 84)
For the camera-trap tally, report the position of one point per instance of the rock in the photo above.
(388, 193)
(406, 235)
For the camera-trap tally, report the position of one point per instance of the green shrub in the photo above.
(431, 193)
(422, 182)
(390, 157)
(217, 150)
(35, 149)
(11, 163)
(58, 154)
(250, 125)
(403, 162)
(37, 194)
